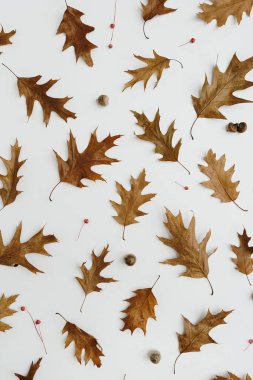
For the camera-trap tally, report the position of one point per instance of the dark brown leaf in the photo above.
(32, 371)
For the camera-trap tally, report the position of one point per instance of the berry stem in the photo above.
(124, 378)
(80, 231)
(143, 28)
(37, 331)
(10, 70)
(180, 163)
(81, 308)
(53, 190)
(114, 20)
(42, 339)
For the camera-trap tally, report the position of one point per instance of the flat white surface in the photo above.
(36, 50)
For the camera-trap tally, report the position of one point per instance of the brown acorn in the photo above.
(242, 127)
(155, 357)
(232, 127)
(130, 260)
(103, 100)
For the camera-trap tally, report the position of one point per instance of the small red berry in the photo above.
(192, 40)
(250, 341)
(110, 46)
(112, 26)
(186, 187)
(38, 322)
(22, 308)
(86, 221)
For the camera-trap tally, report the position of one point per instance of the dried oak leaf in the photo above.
(82, 341)
(5, 37)
(163, 142)
(220, 10)
(33, 91)
(14, 253)
(154, 66)
(191, 253)
(32, 371)
(231, 377)
(141, 308)
(92, 277)
(75, 31)
(9, 191)
(244, 260)
(131, 199)
(195, 336)
(78, 165)
(154, 8)
(220, 92)
(5, 310)
(220, 180)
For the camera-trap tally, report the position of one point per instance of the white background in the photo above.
(36, 50)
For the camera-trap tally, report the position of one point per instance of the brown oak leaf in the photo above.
(163, 142)
(141, 308)
(154, 8)
(32, 91)
(78, 165)
(75, 31)
(32, 371)
(5, 310)
(5, 37)
(82, 341)
(195, 336)
(154, 66)
(190, 253)
(14, 253)
(231, 377)
(9, 191)
(92, 277)
(220, 92)
(243, 260)
(220, 10)
(220, 180)
(131, 200)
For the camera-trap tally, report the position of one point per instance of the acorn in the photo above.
(130, 260)
(103, 100)
(242, 127)
(155, 357)
(232, 127)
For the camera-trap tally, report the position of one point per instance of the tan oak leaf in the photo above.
(163, 142)
(32, 371)
(141, 308)
(92, 277)
(76, 32)
(5, 37)
(220, 180)
(190, 253)
(131, 200)
(14, 253)
(220, 10)
(9, 191)
(243, 260)
(152, 9)
(154, 66)
(195, 336)
(83, 342)
(230, 376)
(220, 91)
(6, 311)
(32, 91)
(79, 165)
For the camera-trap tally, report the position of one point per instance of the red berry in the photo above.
(192, 40)
(110, 46)
(86, 221)
(250, 341)
(38, 322)
(112, 26)
(22, 308)
(186, 187)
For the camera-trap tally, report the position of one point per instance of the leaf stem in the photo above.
(156, 281)
(10, 70)
(239, 206)
(123, 233)
(248, 279)
(81, 308)
(212, 291)
(61, 316)
(175, 362)
(53, 190)
(172, 59)
(192, 127)
(180, 163)
(143, 28)
(66, 3)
